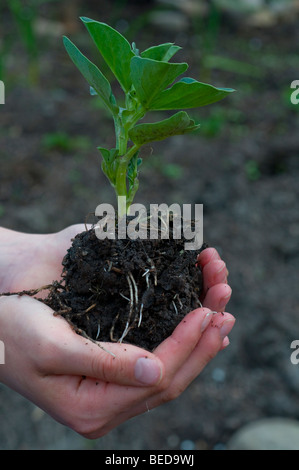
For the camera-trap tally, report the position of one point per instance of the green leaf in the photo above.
(151, 77)
(115, 49)
(133, 169)
(179, 123)
(189, 93)
(109, 163)
(108, 155)
(97, 81)
(163, 52)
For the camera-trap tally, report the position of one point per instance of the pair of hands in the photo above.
(71, 378)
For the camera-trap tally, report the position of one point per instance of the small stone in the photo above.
(187, 445)
(267, 434)
(219, 375)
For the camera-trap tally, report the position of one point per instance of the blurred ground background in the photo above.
(243, 166)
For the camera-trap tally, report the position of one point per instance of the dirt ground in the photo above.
(244, 168)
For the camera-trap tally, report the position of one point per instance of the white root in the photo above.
(98, 332)
(140, 315)
(124, 297)
(133, 297)
(179, 300)
(135, 288)
(175, 308)
(125, 332)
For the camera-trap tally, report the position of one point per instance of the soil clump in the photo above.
(133, 291)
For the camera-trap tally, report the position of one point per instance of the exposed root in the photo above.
(125, 332)
(86, 219)
(33, 292)
(133, 307)
(82, 333)
(124, 297)
(133, 298)
(90, 308)
(179, 300)
(114, 340)
(116, 270)
(135, 287)
(140, 316)
(99, 330)
(175, 308)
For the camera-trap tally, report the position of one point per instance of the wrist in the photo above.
(17, 250)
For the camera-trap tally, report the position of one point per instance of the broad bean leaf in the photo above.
(150, 77)
(108, 155)
(109, 163)
(133, 169)
(97, 81)
(179, 123)
(163, 52)
(115, 49)
(188, 93)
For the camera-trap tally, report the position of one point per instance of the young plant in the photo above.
(148, 81)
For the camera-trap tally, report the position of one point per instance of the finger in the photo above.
(61, 241)
(209, 345)
(207, 348)
(176, 349)
(71, 231)
(225, 343)
(212, 341)
(214, 272)
(217, 297)
(56, 349)
(120, 364)
(207, 255)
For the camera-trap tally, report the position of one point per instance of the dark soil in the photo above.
(134, 291)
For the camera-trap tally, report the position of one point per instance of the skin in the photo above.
(74, 380)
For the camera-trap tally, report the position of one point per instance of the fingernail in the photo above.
(206, 322)
(226, 328)
(222, 267)
(225, 343)
(147, 371)
(215, 255)
(224, 301)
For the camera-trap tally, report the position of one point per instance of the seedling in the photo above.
(122, 289)
(149, 83)
(133, 290)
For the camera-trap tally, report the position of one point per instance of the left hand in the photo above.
(75, 381)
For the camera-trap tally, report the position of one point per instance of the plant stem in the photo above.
(121, 178)
(122, 136)
(133, 191)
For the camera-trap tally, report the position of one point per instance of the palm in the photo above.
(39, 261)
